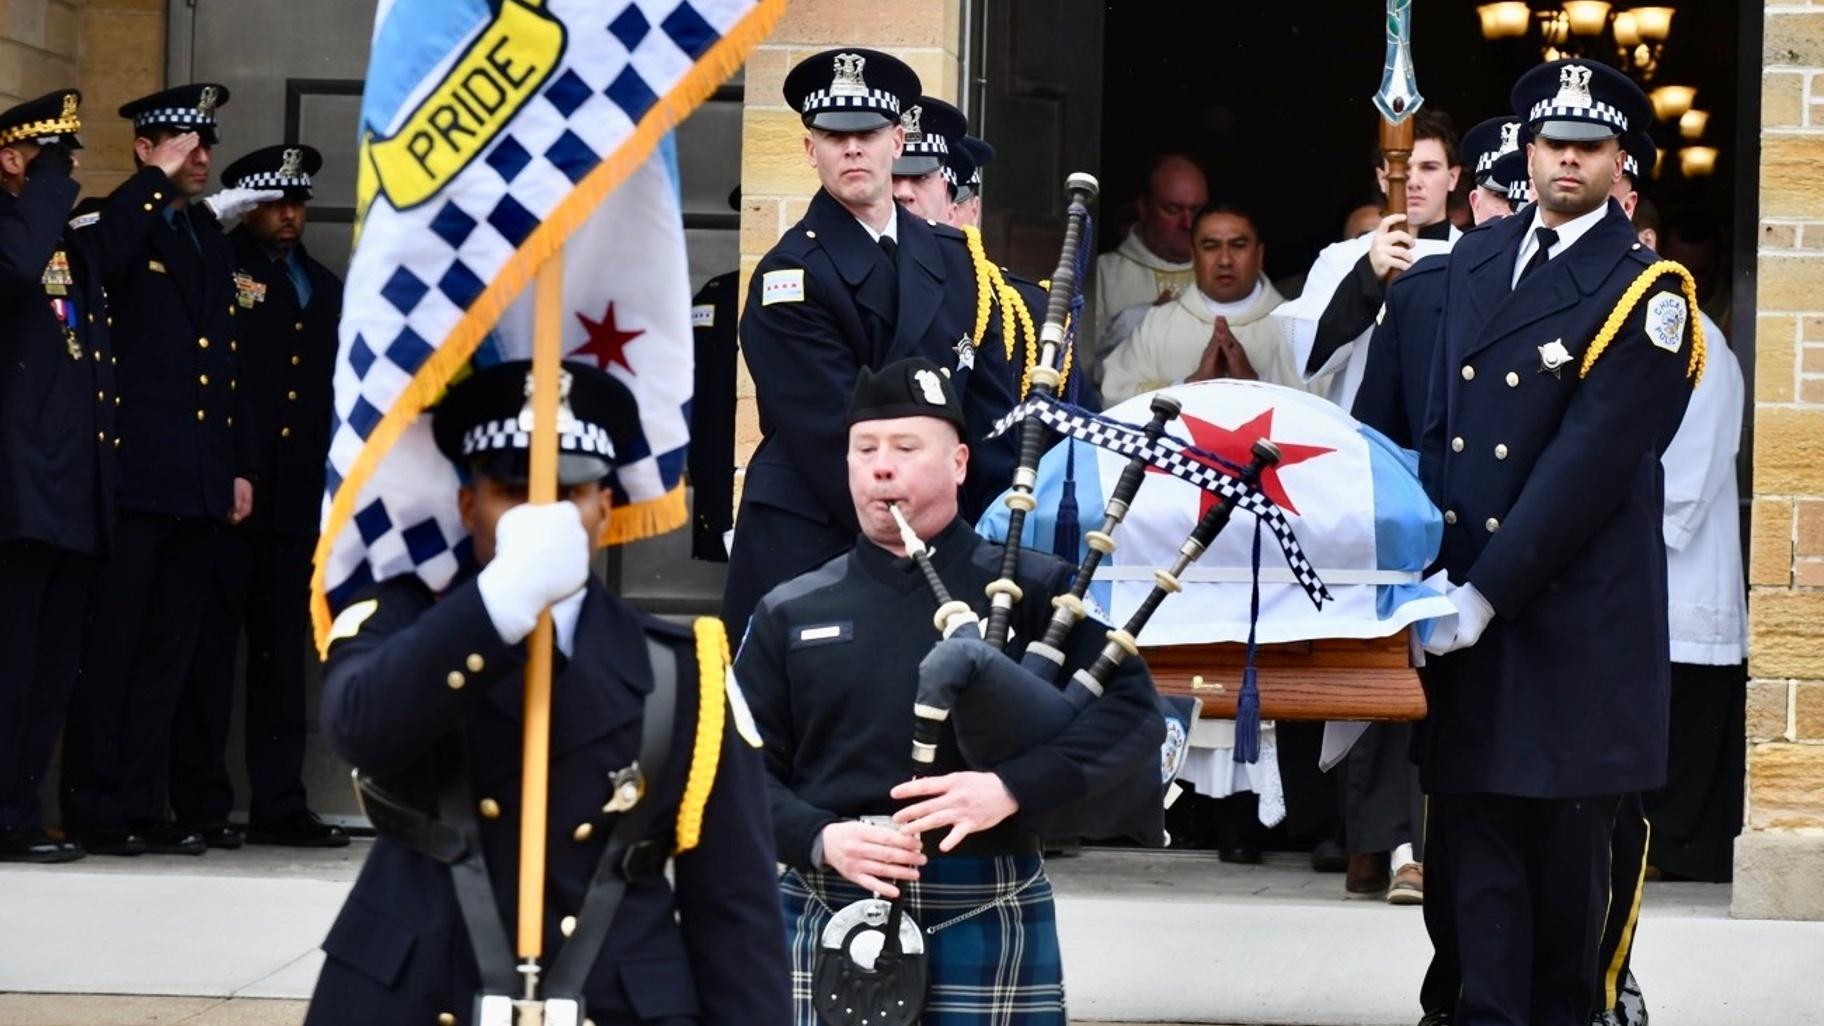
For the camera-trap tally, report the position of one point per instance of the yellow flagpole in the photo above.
(547, 352)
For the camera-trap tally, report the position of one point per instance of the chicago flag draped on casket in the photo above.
(495, 134)
(1351, 496)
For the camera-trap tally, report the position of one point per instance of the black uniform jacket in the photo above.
(827, 301)
(711, 462)
(288, 357)
(186, 422)
(58, 409)
(1552, 492)
(830, 668)
(709, 950)
(1397, 377)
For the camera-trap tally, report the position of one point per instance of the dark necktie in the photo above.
(891, 248)
(1547, 239)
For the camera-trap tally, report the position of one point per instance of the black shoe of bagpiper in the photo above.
(164, 837)
(299, 830)
(36, 846)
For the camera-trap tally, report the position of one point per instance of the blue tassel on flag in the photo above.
(1247, 705)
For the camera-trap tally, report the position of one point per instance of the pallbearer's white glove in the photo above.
(229, 204)
(541, 555)
(1463, 628)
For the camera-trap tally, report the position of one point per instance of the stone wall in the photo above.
(113, 50)
(1780, 856)
(776, 180)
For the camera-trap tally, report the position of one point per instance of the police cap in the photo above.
(185, 108)
(50, 118)
(1577, 99)
(851, 90)
(933, 129)
(484, 422)
(286, 167)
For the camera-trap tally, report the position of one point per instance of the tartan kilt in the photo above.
(1001, 967)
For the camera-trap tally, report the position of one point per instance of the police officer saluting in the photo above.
(57, 457)
(422, 692)
(287, 306)
(857, 283)
(1568, 356)
(187, 463)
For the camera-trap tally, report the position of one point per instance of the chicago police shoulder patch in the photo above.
(782, 287)
(1666, 314)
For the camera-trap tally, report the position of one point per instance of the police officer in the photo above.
(714, 313)
(830, 668)
(855, 284)
(924, 174)
(187, 464)
(287, 305)
(1568, 355)
(422, 692)
(57, 456)
(969, 194)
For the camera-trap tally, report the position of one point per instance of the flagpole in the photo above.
(547, 352)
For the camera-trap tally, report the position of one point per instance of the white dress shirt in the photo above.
(891, 231)
(1568, 234)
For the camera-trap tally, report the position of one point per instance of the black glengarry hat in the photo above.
(51, 118)
(484, 422)
(913, 387)
(851, 90)
(185, 108)
(286, 167)
(1578, 99)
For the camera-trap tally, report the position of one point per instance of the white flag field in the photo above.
(495, 136)
(1352, 498)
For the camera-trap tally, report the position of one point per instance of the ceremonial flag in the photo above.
(1351, 497)
(495, 134)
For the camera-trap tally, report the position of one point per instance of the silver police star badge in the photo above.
(292, 163)
(847, 77)
(1553, 356)
(965, 353)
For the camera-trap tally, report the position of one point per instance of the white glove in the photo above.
(1464, 627)
(541, 555)
(229, 204)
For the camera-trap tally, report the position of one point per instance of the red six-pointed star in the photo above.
(607, 341)
(1233, 444)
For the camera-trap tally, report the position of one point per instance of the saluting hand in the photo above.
(967, 803)
(1391, 249)
(169, 156)
(868, 856)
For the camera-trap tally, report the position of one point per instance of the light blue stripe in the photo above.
(417, 37)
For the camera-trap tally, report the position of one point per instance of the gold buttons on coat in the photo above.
(583, 832)
(100, 396)
(291, 396)
(199, 416)
(297, 326)
(285, 432)
(1492, 524)
(1513, 380)
(1500, 452)
(1469, 373)
(102, 437)
(490, 809)
(1456, 444)
(294, 359)
(203, 380)
(1450, 516)
(148, 208)
(446, 1019)
(202, 343)
(455, 680)
(567, 925)
(475, 662)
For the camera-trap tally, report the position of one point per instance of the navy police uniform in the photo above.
(424, 697)
(1542, 445)
(187, 432)
(826, 301)
(714, 311)
(288, 306)
(58, 403)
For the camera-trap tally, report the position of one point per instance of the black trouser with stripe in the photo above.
(1628, 873)
(261, 582)
(1529, 887)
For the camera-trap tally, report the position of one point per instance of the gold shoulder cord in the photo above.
(712, 709)
(990, 286)
(1631, 298)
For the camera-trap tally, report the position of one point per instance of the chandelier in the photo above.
(1633, 39)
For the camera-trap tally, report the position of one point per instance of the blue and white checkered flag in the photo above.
(494, 135)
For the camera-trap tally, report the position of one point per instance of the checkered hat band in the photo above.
(1181, 460)
(274, 180)
(1485, 162)
(1631, 166)
(172, 116)
(930, 145)
(949, 174)
(873, 99)
(1599, 112)
(502, 435)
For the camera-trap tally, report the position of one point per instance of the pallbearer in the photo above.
(830, 667)
(652, 762)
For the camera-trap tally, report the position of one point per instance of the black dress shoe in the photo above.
(167, 838)
(216, 835)
(114, 841)
(34, 846)
(1241, 854)
(1327, 856)
(298, 830)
